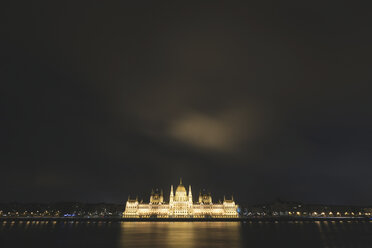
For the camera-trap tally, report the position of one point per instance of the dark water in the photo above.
(185, 234)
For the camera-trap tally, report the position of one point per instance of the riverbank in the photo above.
(117, 219)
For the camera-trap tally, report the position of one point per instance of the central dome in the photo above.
(181, 188)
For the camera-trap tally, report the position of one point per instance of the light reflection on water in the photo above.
(98, 234)
(180, 234)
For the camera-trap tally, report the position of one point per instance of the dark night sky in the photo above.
(104, 99)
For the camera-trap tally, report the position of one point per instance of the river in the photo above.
(184, 234)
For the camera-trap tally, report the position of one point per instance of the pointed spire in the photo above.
(190, 195)
(180, 180)
(171, 195)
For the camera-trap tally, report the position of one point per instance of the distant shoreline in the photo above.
(117, 219)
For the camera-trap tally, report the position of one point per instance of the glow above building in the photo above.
(180, 205)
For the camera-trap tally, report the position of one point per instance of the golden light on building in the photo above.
(180, 205)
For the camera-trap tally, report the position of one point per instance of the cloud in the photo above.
(223, 133)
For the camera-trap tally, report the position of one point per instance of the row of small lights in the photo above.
(330, 213)
(315, 213)
(57, 213)
(37, 213)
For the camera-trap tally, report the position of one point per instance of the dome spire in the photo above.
(180, 180)
(190, 195)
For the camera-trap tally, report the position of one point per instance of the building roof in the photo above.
(180, 187)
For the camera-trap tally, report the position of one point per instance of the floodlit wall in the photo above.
(180, 207)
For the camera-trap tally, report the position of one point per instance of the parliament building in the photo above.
(180, 205)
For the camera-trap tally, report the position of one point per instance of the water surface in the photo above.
(184, 234)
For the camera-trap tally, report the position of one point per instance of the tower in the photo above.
(161, 196)
(190, 195)
(171, 195)
(190, 205)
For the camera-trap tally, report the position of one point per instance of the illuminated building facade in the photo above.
(180, 205)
